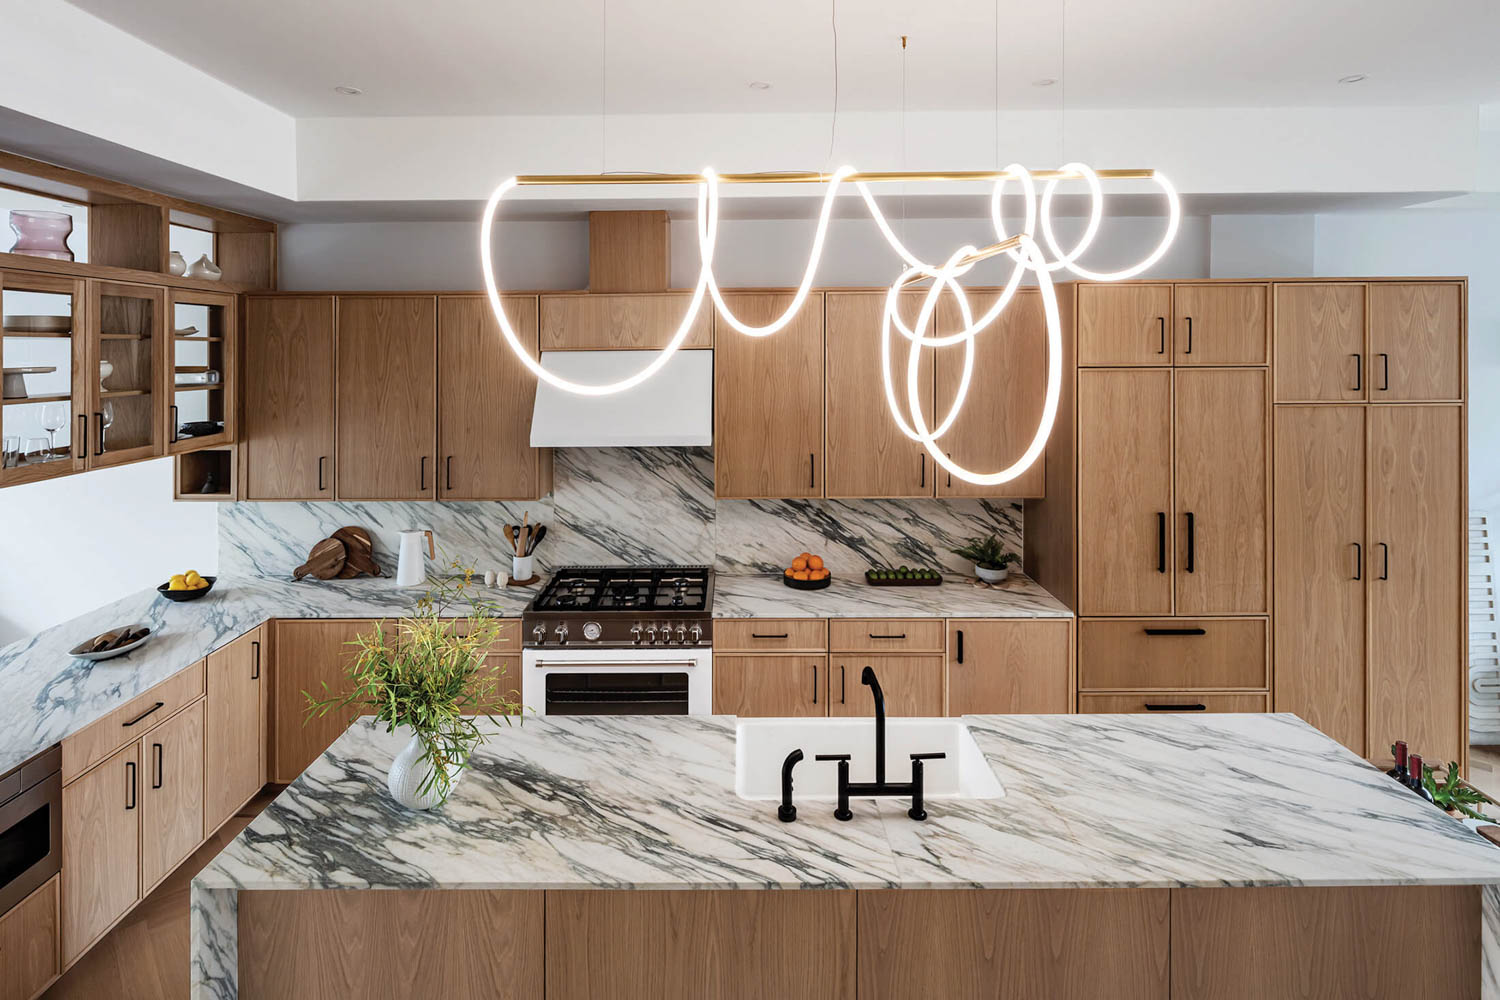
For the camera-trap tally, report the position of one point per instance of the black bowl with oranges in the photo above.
(807, 572)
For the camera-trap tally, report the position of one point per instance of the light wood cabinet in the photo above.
(1125, 324)
(235, 737)
(309, 654)
(171, 794)
(1416, 341)
(29, 957)
(885, 635)
(1170, 702)
(127, 329)
(485, 398)
(1172, 653)
(779, 685)
(289, 398)
(1320, 342)
(125, 724)
(768, 401)
(387, 397)
(67, 348)
(101, 849)
(1220, 324)
(214, 347)
(770, 635)
(575, 321)
(912, 684)
(1009, 666)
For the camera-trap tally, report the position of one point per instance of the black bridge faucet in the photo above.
(879, 787)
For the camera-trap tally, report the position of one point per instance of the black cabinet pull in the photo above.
(1176, 631)
(812, 470)
(960, 645)
(130, 785)
(1190, 336)
(1359, 371)
(1191, 523)
(448, 472)
(1385, 564)
(899, 635)
(1359, 561)
(255, 663)
(321, 460)
(1385, 372)
(1161, 541)
(1161, 332)
(83, 436)
(99, 420)
(768, 635)
(923, 481)
(138, 718)
(950, 475)
(815, 683)
(841, 684)
(423, 486)
(156, 765)
(1158, 707)
(174, 423)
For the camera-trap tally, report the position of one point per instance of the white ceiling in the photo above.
(481, 57)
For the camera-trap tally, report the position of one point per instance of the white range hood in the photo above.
(673, 407)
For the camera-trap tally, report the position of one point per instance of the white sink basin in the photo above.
(761, 745)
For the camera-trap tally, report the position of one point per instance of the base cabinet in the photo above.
(912, 685)
(28, 944)
(309, 654)
(1009, 667)
(171, 794)
(235, 739)
(775, 685)
(101, 860)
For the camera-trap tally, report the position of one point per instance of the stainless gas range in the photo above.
(620, 640)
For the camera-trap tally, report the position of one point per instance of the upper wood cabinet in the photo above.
(1416, 341)
(1125, 324)
(289, 394)
(48, 329)
(234, 747)
(485, 399)
(204, 345)
(1220, 324)
(1009, 666)
(128, 406)
(768, 401)
(582, 321)
(387, 397)
(1320, 342)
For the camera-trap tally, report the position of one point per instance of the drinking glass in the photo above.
(54, 419)
(107, 417)
(12, 451)
(35, 450)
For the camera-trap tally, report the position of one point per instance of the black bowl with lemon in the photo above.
(187, 586)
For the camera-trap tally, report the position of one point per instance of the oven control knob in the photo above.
(539, 632)
(562, 632)
(592, 631)
(650, 633)
(682, 633)
(635, 632)
(666, 631)
(696, 632)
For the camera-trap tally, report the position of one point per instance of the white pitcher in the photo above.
(411, 571)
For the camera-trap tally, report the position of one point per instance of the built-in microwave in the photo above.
(30, 826)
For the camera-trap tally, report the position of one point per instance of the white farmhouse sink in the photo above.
(761, 745)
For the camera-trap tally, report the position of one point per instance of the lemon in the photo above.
(178, 582)
(192, 577)
(201, 584)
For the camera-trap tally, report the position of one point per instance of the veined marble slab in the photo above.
(765, 596)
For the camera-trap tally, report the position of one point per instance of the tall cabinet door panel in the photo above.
(1222, 495)
(485, 399)
(288, 392)
(171, 794)
(1416, 598)
(309, 655)
(1416, 342)
(868, 456)
(1321, 568)
(234, 751)
(1320, 343)
(768, 400)
(1003, 406)
(1125, 324)
(1125, 522)
(387, 397)
(1220, 324)
(101, 849)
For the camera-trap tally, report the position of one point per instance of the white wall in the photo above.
(1262, 246)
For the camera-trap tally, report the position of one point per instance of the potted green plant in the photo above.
(428, 672)
(991, 561)
(1454, 794)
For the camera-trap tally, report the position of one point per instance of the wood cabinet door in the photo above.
(101, 849)
(485, 398)
(234, 748)
(1223, 500)
(1320, 342)
(171, 794)
(387, 397)
(1003, 406)
(1417, 654)
(28, 943)
(768, 401)
(1124, 324)
(1015, 666)
(912, 685)
(309, 654)
(1125, 522)
(1321, 568)
(1220, 324)
(288, 393)
(771, 685)
(1416, 341)
(128, 330)
(868, 455)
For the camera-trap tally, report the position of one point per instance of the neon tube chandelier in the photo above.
(1022, 248)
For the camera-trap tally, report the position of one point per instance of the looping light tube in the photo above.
(1022, 249)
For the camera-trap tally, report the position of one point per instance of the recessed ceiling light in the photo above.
(1354, 78)
(347, 90)
(759, 85)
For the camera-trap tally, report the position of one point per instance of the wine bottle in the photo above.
(1399, 772)
(1414, 765)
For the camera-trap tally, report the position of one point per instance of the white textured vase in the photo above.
(991, 575)
(409, 773)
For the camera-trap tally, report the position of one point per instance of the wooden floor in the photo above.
(146, 956)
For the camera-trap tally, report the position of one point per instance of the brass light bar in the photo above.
(815, 177)
(983, 253)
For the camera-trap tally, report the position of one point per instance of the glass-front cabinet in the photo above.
(43, 351)
(127, 399)
(201, 411)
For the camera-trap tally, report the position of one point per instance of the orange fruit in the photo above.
(819, 574)
(799, 563)
(789, 572)
(804, 555)
(801, 574)
(814, 562)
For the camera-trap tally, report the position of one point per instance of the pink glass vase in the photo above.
(42, 234)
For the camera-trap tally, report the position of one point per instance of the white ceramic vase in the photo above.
(204, 268)
(991, 575)
(409, 773)
(176, 263)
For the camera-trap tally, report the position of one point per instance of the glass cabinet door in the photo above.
(202, 350)
(42, 351)
(127, 416)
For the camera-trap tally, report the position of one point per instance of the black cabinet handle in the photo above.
(423, 487)
(768, 635)
(138, 718)
(99, 420)
(815, 683)
(448, 472)
(156, 765)
(1385, 372)
(1161, 541)
(841, 684)
(1161, 332)
(960, 645)
(1385, 565)
(321, 460)
(1190, 336)
(255, 663)
(1359, 371)
(83, 436)
(130, 785)
(1176, 631)
(174, 422)
(1191, 526)
(950, 475)
(812, 470)
(1359, 561)
(900, 635)
(1157, 707)
(923, 481)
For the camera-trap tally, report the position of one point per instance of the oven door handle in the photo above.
(634, 667)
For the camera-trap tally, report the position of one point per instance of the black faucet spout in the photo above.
(788, 812)
(867, 677)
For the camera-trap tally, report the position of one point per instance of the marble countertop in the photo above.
(765, 596)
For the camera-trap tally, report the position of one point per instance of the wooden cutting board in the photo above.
(358, 553)
(324, 562)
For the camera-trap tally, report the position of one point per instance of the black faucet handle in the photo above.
(788, 812)
(832, 756)
(928, 756)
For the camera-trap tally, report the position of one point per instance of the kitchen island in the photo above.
(1181, 856)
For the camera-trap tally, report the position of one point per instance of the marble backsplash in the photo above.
(620, 505)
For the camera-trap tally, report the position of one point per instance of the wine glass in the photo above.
(106, 419)
(35, 450)
(54, 419)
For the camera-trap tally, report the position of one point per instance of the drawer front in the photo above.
(771, 635)
(886, 635)
(1171, 653)
(130, 721)
(1171, 703)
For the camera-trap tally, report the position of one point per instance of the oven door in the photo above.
(30, 827)
(602, 682)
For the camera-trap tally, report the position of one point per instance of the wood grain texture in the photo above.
(458, 944)
(1062, 944)
(629, 251)
(1417, 650)
(222, 405)
(768, 401)
(1322, 564)
(1120, 654)
(1050, 536)
(1228, 324)
(1419, 325)
(1320, 342)
(1223, 482)
(1370, 943)
(784, 684)
(1124, 485)
(700, 945)
(770, 635)
(289, 398)
(868, 456)
(387, 398)
(625, 322)
(28, 943)
(485, 399)
(14, 353)
(1003, 409)
(234, 751)
(101, 849)
(171, 794)
(100, 739)
(912, 684)
(128, 329)
(309, 654)
(248, 258)
(128, 235)
(885, 635)
(1010, 666)
(1125, 324)
(1166, 702)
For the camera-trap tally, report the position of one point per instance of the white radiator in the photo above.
(1484, 636)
